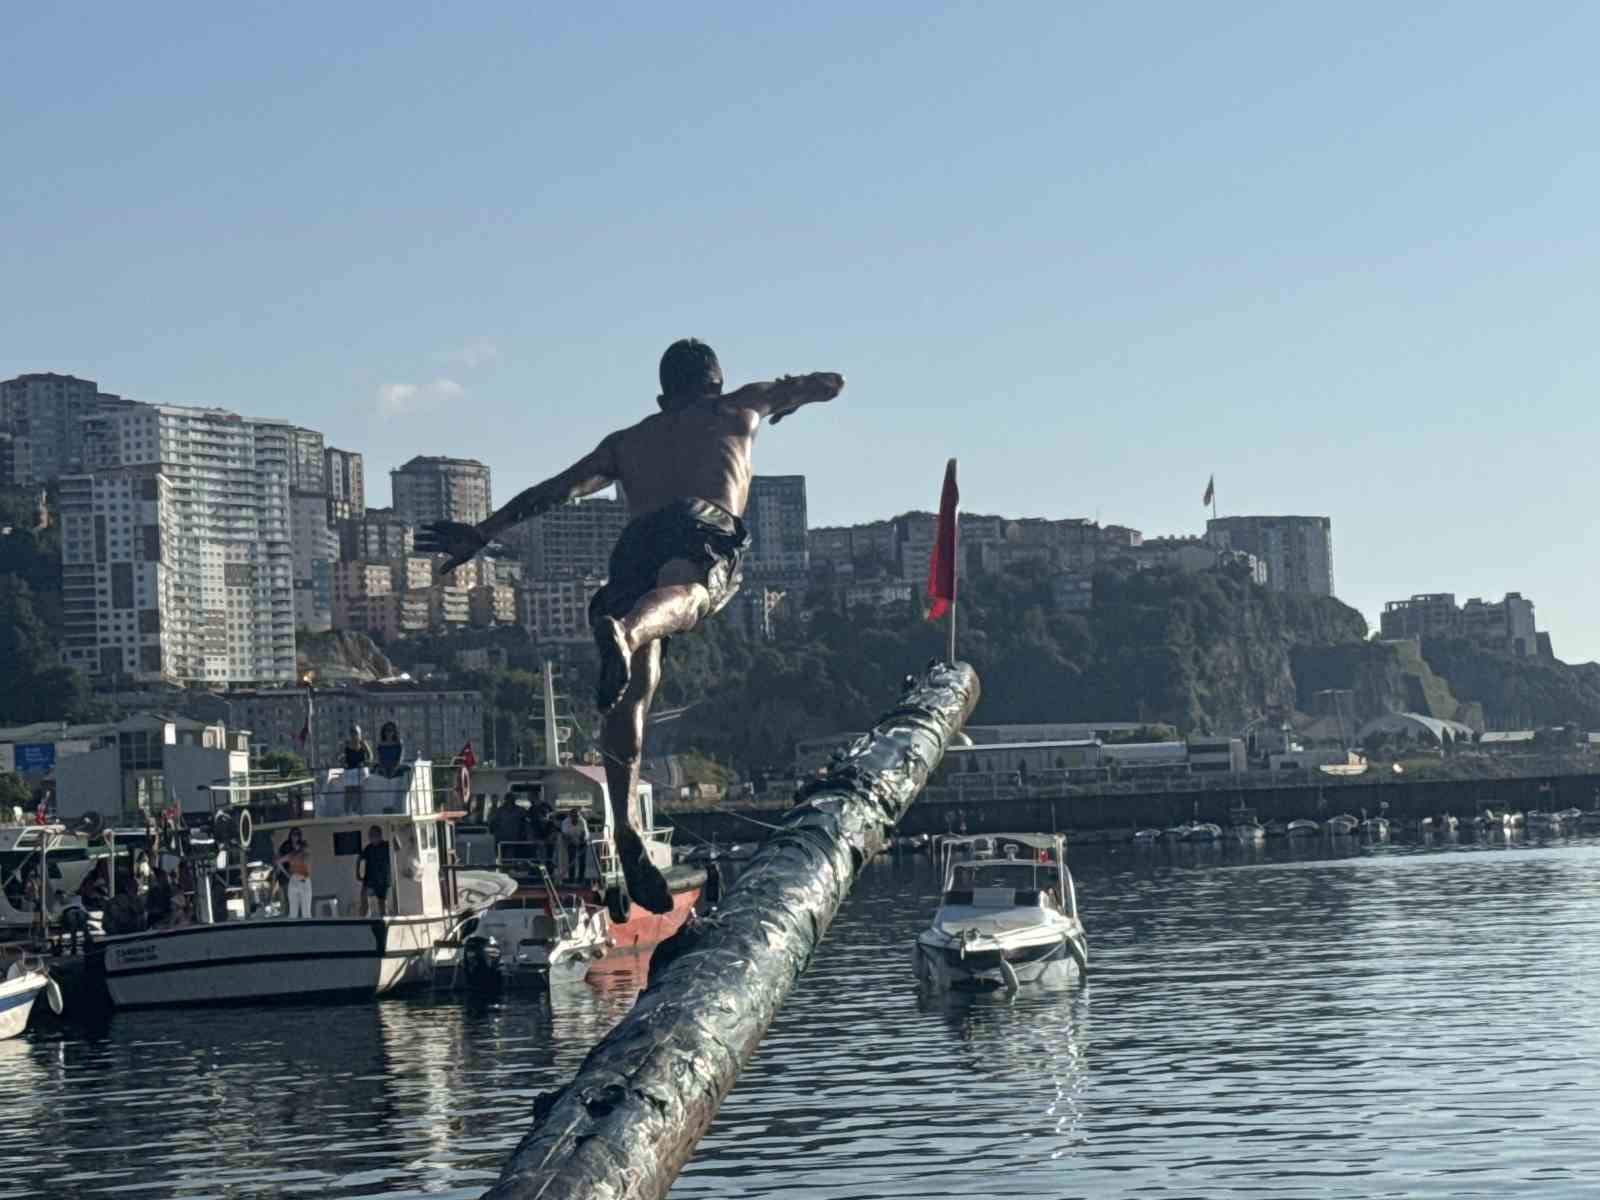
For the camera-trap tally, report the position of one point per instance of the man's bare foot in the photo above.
(614, 663)
(647, 886)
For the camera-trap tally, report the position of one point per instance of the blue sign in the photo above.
(35, 758)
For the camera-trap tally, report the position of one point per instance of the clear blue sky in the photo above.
(1342, 256)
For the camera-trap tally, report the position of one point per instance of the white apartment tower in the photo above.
(119, 590)
(231, 555)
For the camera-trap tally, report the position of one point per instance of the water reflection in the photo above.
(1290, 1021)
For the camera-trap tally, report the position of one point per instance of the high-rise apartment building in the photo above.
(120, 591)
(231, 552)
(377, 536)
(776, 517)
(573, 539)
(307, 460)
(45, 413)
(344, 479)
(1507, 624)
(316, 550)
(431, 488)
(1297, 551)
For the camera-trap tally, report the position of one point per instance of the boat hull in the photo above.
(943, 968)
(16, 1001)
(241, 962)
(644, 930)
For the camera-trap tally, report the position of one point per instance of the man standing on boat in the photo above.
(686, 473)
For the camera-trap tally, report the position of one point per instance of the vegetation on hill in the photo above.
(1518, 693)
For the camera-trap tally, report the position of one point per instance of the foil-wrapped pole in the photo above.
(629, 1120)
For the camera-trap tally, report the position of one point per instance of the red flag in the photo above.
(942, 562)
(1211, 490)
(467, 758)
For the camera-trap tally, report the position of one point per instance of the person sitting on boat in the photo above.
(375, 870)
(508, 824)
(391, 750)
(296, 860)
(93, 890)
(575, 832)
(158, 906)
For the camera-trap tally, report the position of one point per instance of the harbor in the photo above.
(1244, 1031)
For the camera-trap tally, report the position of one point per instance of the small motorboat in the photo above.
(1547, 822)
(1343, 825)
(1201, 831)
(1277, 829)
(1146, 837)
(1251, 833)
(521, 943)
(1005, 919)
(1174, 833)
(1302, 827)
(25, 979)
(1376, 827)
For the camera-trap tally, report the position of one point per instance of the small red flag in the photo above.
(942, 562)
(467, 758)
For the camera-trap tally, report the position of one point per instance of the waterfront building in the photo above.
(116, 768)
(434, 488)
(1297, 551)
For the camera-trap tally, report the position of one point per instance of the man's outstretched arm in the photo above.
(777, 398)
(461, 542)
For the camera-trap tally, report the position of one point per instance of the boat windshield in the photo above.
(1018, 876)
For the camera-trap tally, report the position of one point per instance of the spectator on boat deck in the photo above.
(74, 923)
(390, 750)
(508, 823)
(375, 870)
(297, 862)
(543, 829)
(357, 758)
(158, 908)
(575, 832)
(93, 890)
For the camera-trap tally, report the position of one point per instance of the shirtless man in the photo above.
(686, 472)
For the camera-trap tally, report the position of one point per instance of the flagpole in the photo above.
(955, 568)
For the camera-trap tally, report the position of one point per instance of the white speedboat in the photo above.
(1006, 918)
(531, 942)
(238, 945)
(1202, 831)
(1343, 825)
(1377, 827)
(1146, 837)
(24, 981)
(1302, 827)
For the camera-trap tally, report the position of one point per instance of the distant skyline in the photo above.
(1342, 259)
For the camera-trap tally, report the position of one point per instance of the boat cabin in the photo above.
(1008, 870)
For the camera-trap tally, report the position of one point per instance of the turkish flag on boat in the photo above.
(942, 562)
(467, 758)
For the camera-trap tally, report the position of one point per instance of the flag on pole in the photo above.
(1211, 491)
(942, 562)
(305, 730)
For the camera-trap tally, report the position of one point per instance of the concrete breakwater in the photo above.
(1097, 816)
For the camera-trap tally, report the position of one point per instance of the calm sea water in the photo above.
(1390, 1021)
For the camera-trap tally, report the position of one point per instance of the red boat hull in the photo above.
(644, 930)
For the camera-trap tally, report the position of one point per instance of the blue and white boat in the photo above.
(20, 988)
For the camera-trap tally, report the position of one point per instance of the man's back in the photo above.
(700, 451)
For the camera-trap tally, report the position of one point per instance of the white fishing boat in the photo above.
(24, 981)
(1006, 918)
(521, 942)
(239, 944)
(63, 856)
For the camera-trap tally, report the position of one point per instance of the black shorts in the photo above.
(380, 890)
(704, 533)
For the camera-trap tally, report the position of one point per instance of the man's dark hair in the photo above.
(689, 369)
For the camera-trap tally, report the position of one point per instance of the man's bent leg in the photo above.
(622, 741)
(678, 602)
